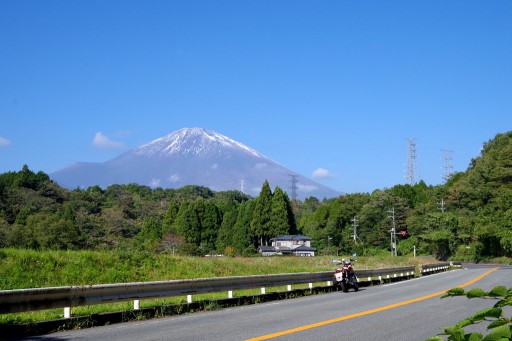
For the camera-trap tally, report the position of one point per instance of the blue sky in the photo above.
(330, 89)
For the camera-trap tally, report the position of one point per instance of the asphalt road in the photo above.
(409, 310)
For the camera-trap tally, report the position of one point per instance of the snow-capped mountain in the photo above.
(191, 156)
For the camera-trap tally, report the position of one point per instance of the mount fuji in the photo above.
(192, 156)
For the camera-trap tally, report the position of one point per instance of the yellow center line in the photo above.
(363, 313)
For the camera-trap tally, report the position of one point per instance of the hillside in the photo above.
(469, 217)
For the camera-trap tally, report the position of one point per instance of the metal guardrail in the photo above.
(427, 269)
(21, 300)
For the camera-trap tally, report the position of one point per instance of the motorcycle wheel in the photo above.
(356, 287)
(336, 285)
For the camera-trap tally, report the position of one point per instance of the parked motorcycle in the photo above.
(344, 276)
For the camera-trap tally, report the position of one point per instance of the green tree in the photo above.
(243, 241)
(280, 223)
(150, 234)
(226, 233)
(188, 224)
(260, 224)
(211, 221)
(170, 216)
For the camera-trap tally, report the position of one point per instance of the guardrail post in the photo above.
(230, 294)
(263, 291)
(189, 298)
(311, 285)
(67, 312)
(329, 283)
(289, 287)
(136, 305)
(380, 279)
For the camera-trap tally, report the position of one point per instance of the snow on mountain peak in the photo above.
(195, 141)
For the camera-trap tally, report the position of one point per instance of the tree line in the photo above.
(468, 217)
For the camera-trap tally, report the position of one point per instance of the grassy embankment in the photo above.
(32, 269)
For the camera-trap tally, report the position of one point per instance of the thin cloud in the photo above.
(4, 142)
(102, 141)
(322, 173)
(174, 178)
(306, 188)
(154, 183)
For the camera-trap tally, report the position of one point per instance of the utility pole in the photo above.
(354, 226)
(393, 233)
(293, 180)
(441, 205)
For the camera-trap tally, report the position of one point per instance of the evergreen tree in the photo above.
(188, 224)
(226, 231)
(150, 232)
(243, 242)
(279, 218)
(170, 216)
(260, 224)
(210, 224)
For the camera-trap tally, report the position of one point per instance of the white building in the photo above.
(296, 245)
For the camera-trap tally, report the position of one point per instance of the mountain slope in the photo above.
(191, 156)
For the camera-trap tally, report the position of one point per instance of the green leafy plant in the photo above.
(499, 326)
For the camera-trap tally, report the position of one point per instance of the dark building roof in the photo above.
(267, 248)
(291, 237)
(304, 248)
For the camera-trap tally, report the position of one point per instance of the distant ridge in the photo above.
(191, 156)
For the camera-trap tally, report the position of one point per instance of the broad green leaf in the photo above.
(499, 291)
(465, 322)
(474, 337)
(503, 303)
(487, 312)
(499, 333)
(475, 292)
(455, 333)
(496, 323)
(454, 292)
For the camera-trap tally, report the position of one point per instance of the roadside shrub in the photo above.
(499, 326)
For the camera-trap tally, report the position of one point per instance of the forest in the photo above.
(468, 218)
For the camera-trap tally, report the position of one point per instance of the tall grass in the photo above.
(21, 269)
(32, 269)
